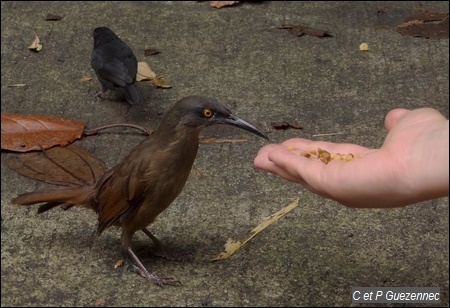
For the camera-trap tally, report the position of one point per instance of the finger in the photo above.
(304, 170)
(295, 164)
(393, 116)
(262, 162)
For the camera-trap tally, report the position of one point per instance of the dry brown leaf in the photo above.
(427, 16)
(119, 263)
(145, 73)
(196, 170)
(22, 133)
(36, 45)
(150, 52)
(100, 302)
(63, 166)
(51, 17)
(215, 140)
(231, 246)
(85, 78)
(426, 24)
(300, 30)
(220, 4)
(286, 125)
(160, 83)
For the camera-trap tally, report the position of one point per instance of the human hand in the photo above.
(411, 166)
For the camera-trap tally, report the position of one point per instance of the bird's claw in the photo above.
(157, 280)
(98, 96)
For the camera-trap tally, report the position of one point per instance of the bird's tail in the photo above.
(132, 93)
(65, 197)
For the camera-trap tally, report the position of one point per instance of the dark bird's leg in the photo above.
(140, 268)
(99, 94)
(160, 251)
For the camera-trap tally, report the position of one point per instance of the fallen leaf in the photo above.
(196, 170)
(364, 47)
(221, 4)
(426, 24)
(85, 78)
(119, 263)
(51, 17)
(36, 45)
(286, 125)
(231, 246)
(150, 51)
(63, 166)
(145, 73)
(99, 302)
(160, 83)
(17, 85)
(215, 140)
(427, 16)
(300, 30)
(22, 133)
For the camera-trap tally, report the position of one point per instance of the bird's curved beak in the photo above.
(235, 121)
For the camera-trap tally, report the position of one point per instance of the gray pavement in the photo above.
(310, 257)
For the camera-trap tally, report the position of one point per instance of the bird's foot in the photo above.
(98, 96)
(156, 280)
(140, 268)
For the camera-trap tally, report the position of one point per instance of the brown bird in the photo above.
(148, 179)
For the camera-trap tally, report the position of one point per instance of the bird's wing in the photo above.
(111, 68)
(130, 63)
(121, 192)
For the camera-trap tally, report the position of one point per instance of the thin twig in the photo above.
(88, 132)
(330, 134)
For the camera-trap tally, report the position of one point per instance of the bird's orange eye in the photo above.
(207, 113)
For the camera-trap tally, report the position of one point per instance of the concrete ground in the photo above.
(310, 257)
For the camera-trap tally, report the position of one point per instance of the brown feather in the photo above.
(78, 195)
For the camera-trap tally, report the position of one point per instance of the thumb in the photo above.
(393, 116)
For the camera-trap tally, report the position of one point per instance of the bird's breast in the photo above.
(165, 177)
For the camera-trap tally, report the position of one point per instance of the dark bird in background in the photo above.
(115, 64)
(149, 179)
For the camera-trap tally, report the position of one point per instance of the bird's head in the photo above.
(102, 34)
(199, 112)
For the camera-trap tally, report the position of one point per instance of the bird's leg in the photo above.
(160, 251)
(139, 267)
(99, 94)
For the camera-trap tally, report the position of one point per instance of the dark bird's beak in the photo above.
(235, 121)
